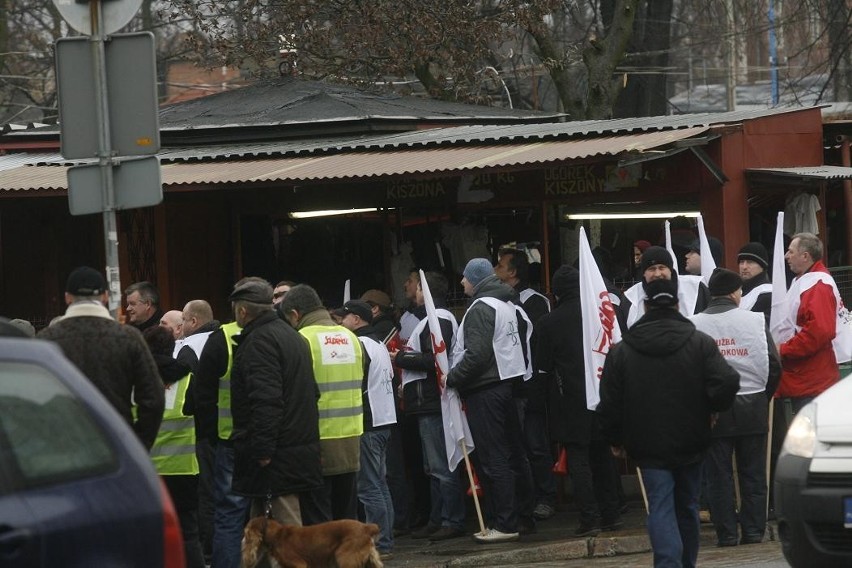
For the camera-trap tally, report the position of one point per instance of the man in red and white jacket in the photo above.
(809, 365)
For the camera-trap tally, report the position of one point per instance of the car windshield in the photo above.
(46, 434)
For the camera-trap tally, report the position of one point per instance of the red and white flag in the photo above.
(600, 326)
(456, 430)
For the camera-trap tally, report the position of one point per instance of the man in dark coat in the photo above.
(745, 343)
(487, 361)
(114, 357)
(659, 389)
(274, 407)
(560, 360)
(753, 262)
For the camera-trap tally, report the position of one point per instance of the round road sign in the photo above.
(116, 14)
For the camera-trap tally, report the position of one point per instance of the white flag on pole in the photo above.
(669, 246)
(347, 294)
(779, 287)
(600, 326)
(708, 263)
(456, 430)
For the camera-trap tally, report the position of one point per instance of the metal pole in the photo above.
(731, 82)
(105, 160)
(773, 54)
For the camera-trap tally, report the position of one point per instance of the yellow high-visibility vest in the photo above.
(173, 452)
(338, 363)
(225, 422)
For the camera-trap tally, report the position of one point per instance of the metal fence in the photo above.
(843, 277)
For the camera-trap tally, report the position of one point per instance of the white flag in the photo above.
(779, 286)
(600, 326)
(347, 294)
(708, 263)
(669, 246)
(456, 430)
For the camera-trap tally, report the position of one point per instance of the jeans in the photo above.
(493, 419)
(751, 472)
(373, 489)
(673, 524)
(446, 489)
(231, 510)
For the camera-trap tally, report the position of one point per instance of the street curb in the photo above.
(569, 550)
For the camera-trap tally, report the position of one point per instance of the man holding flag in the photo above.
(561, 364)
(423, 372)
(488, 358)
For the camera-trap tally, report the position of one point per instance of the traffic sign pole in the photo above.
(105, 159)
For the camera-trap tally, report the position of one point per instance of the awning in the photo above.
(352, 166)
(804, 175)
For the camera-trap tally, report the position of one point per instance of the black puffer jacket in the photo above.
(659, 387)
(478, 368)
(274, 407)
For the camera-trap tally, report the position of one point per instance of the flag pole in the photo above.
(472, 486)
(642, 488)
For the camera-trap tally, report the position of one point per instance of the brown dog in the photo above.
(336, 544)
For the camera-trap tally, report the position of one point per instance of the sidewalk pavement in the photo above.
(552, 542)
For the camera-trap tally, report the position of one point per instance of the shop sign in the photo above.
(583, 179)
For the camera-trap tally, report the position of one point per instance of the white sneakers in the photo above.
(493, 535)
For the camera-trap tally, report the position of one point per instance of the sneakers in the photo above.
(543, 511)
(491, 536)
(445, 533)
(425, 531)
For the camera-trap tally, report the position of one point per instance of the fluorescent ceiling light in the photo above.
(664, 215)
(329, 212)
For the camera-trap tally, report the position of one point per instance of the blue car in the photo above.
(77, 488)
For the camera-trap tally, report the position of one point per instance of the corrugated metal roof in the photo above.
(806, 172)
(11, 161)
(359, 165)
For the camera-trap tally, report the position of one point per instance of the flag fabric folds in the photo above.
(456, 430)
(779, 286)
(708, 263)
(600, 326)
(669, 246)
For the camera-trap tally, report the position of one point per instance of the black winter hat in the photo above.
(723, 282)
(565, 279)
(661, 293)
(656, 255)
(85, 281)
(755, 252)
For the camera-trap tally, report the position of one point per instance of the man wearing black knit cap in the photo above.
(656, 264)
(114, 357)
(659, 386)
(753, 263)
(745, 343)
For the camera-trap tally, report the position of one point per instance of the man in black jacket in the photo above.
(659, 389)
(422, 400)
(745, 343)
(488, 360)
(561, 363)
(753, 261)
(274, 407)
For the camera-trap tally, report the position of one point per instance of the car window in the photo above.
(46, 434)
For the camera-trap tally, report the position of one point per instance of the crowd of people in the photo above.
(308, 414)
